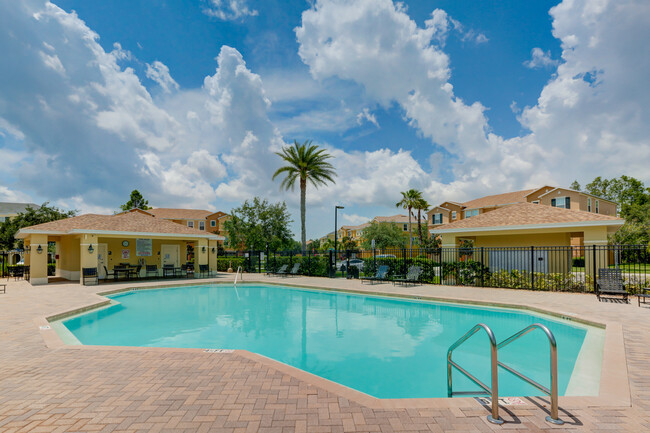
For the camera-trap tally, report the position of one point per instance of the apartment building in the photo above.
(10, 210)
(449, 212)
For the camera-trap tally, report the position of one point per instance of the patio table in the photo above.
(170, 270)
(117, 271)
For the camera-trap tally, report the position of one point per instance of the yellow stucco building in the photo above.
(104, 241)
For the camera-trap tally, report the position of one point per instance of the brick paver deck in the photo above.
(46, 386)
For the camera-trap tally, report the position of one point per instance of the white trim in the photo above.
(532, 226)
(542, 187)
(578, 192)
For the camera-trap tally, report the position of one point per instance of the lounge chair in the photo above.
(610, 282)
(380, 276)
(281, 270)
(293, 271)
(89, 274)
(188, 270)
(412, 276)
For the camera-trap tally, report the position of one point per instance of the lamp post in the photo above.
(336, 210)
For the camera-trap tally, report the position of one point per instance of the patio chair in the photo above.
(19, 272)
(380, 276)
(281, 270)
(610, 282)
(89, 274)
(187, 270)
(412, 276)
(108, 274)
(203, 270)
(135, 273)
(151, 269)
(293, 271)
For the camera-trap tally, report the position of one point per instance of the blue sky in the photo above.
(188, 101)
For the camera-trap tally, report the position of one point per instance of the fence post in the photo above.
(404, 262)
(595, 268)
(329, 265)
(532, 268)
(482, 269)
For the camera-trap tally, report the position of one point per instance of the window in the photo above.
(470, 213)
(589, 204)
(3, 219)
(597, 207)
(535, 201)
(453, 214)
(190, 224)
(201, 225)
(437, 218)
(561, 202)
(406, 227)
(213, 223)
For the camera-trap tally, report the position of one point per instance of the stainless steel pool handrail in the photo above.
(493, 391)
(553, 392)
(237, 275)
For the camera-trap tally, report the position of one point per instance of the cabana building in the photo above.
(106, 241)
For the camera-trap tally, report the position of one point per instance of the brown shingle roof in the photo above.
(499, 199)
(527, 214)
(397, 219)
(136, 222)
(180, 214)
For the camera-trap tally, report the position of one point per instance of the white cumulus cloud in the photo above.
(228, 10)
(540, 59)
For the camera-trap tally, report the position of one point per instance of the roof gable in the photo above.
(498, 199)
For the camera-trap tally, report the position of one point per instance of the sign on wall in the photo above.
(143, 247)
(126, 254)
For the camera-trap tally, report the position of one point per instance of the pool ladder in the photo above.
(239, 271)
(493, 390)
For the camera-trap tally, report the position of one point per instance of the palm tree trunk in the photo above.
(420, 227)
(303, 193)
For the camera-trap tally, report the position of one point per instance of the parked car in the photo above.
(342, 265)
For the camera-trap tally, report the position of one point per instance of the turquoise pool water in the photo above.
(385, 347)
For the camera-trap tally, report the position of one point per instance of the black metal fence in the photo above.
(562, 268)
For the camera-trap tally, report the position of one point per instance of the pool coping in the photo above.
(614, 384)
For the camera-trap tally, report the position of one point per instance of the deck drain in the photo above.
(503, 401)
(44, 327)
(218, 350)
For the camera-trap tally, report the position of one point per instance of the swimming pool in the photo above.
(384, 347)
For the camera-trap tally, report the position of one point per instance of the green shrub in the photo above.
(578, 262)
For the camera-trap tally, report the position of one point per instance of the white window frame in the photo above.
(470, 213)
(453, 214)
(588, 204)
(406, 227)
(562, 200)
(201, 225)
(190, 224)
(213, 223)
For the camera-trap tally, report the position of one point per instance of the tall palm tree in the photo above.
(408, 201)
(307, 163)
(421, 205)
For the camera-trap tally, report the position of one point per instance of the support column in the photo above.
(596, 257)
(38, 262)
(202, 257)
(212, 255)
(87, 259)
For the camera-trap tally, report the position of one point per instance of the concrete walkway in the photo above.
(46, 386)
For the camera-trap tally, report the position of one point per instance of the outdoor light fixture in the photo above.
(39, 249)
(203, 249)
(91, 249)
(213, 249)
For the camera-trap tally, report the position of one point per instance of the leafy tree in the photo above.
(347, 243)
(385, 236)
(326, 245)
(305, 163)
(256, 224)
(136, 201)
(633, 199)
(421, 205)
(314, 244)
(575, 186)
(409, 200)
(31, 216)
